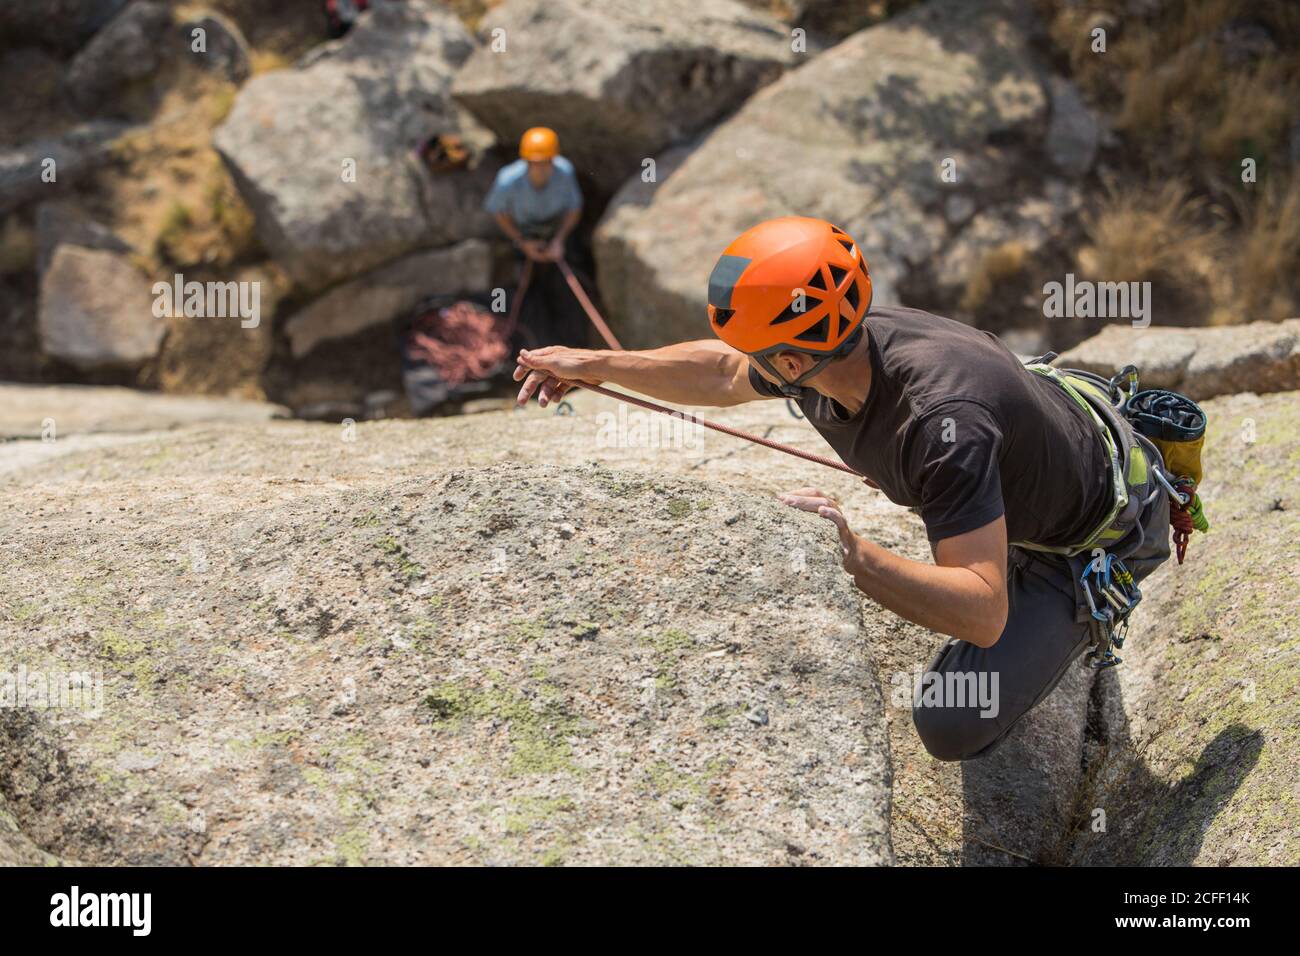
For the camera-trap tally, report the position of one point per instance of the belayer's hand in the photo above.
(534, 250)
(551, 372)
(822, 504)
(554, 251)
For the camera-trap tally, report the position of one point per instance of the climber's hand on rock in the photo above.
(852, 546)
(552, 372)
(809, 499)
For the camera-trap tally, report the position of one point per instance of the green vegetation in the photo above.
(400, 560)
(538, 728)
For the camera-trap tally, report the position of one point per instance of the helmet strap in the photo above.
(795, 389)
(787, 389)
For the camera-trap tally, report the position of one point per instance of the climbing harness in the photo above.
(1172, 426)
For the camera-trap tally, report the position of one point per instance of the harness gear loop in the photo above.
(1112, 594)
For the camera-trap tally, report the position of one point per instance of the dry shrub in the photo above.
(1140, 233)
(1178, 100)
(232, 217)
(1266, 257)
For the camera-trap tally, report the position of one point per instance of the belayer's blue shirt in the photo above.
(527, 205)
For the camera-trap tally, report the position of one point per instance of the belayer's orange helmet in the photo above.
(790, 284)
(538, 144)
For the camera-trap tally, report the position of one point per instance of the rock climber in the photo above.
(1021, 479)
(537, 203)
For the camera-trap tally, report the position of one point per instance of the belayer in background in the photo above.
(1043, 499)
(537, 203)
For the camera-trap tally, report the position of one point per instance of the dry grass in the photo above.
(1190, 105)
(172, 227)
(1255, 111)
(17, 247)
(1266, 265)
(1000, 263)
(221, 103)
(1178, 97)
(1138, 233)
(264, 61)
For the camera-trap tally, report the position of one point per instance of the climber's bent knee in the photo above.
(956, 733)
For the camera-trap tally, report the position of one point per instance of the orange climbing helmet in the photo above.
(539, 144)
(790, 284)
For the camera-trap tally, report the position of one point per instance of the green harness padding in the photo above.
(1129, 466)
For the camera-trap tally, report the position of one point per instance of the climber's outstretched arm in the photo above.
(707, 372)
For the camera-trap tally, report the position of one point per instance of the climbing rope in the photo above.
(727, 430)
(581, 295)
(603, 328)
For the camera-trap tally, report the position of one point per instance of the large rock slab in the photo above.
(96, 310)
(1202, 362)
(942, 813)
(1197, 739)
(520, 664)
(619, 80)
(364, 102)
(858, 136)
(389, 292)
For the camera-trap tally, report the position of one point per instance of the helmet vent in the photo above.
(837, 275)
(722, 316)
(821, 332)
(818, 281)
(789, 314)
(846, 242)
(853, 295)
(844, 324)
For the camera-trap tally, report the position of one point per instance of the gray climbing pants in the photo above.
(970, 697)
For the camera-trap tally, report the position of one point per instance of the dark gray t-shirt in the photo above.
(955, 426)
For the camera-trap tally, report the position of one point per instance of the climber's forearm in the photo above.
(963, 594)
(953, 601)
(706, 372)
